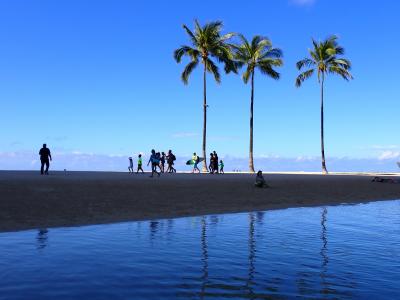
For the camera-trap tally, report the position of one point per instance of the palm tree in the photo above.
(324, 59)
(206, 43)
(259, 54)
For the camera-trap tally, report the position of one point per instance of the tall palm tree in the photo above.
(325, 58)
(206, 43)
(257, 54)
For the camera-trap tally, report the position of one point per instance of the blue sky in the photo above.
(98, 78)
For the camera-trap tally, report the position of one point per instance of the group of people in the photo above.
(214, 167)
(157, 161)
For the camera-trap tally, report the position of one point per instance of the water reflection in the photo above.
(204, 252)
(41, 238)
(153, 228)
(252, 253)
(324, 251)
(295, 253)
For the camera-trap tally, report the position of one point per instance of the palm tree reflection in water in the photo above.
(42, 238)
(204, 251)
(324, 249)
(252, 254)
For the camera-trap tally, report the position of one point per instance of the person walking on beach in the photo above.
(215, 161)
(130, 168)
(139, 164)
(154, 163)
(221, 167)
(170, 161)
(211, 165)
(162, 162)
(196, 160)
(44, 159)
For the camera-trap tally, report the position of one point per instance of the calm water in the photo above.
(345, 252)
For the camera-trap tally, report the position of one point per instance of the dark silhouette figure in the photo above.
(162, 161)
(170, 161)
(215, 162)
(211, 165)
(45, 155)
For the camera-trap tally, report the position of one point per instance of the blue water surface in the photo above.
(333, 252)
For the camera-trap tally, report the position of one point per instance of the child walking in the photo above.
(139, 164)
(130, 168)
(221, 167)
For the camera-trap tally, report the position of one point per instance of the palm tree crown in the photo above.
(257, 54)
(324, 59)
(207, 42)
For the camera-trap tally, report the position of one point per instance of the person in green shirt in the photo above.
(139, 164)
(196, 160)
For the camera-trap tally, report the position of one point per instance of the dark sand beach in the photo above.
(29, 200)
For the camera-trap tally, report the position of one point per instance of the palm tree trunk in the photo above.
(324, 170)
(251, 162)
(204, 118)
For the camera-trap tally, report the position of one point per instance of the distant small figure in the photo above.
(139, 164)
(44, 159)
(130, 167)
(196, 160)
(170, 161)
(221, 167)
(260, 181)
(155, 161)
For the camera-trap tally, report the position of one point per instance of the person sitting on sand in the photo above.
(221, 167)
(139, 164)
(130, 168)
(260, 181)
(389, 180)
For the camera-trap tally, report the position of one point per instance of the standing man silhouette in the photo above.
(44, 159)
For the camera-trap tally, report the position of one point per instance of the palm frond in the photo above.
(303, 76)
(340, 71)
(246, 74)
(191, 35)
(213, 69)
(266, 69)
(185, 50)
(306, 62)
(188, 70)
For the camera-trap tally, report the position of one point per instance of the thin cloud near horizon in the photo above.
(302, 2)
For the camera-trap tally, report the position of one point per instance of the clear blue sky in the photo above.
(99, 77)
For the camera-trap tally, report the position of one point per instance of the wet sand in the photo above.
(29, 200)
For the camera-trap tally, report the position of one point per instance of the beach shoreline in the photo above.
(30, 201)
